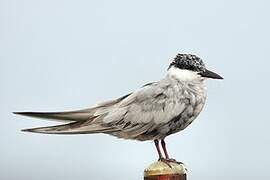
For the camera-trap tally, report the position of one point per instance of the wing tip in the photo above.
(39, 131)
(33, 130)
(68, 116)
(27, 130)
(23, 113)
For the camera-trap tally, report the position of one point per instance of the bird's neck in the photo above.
(183, 75)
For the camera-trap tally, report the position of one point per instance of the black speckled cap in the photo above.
(188, 62)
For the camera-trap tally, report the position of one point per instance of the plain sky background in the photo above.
(64, 55)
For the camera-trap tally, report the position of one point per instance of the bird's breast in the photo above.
(192, 99)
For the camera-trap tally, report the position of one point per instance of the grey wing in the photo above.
(142, 115)
(145, 114)
(74, 116)
(78, 121)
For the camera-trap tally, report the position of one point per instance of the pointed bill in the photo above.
(210, 74)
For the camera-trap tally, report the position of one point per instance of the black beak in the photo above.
(210, 74)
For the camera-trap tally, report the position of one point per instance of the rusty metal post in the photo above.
(161, 171)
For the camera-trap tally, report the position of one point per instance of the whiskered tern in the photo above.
(152, 112)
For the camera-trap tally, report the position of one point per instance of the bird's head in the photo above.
(189, 67)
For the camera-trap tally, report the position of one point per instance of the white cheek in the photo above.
(183, 75)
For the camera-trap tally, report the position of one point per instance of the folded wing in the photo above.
(141, 115)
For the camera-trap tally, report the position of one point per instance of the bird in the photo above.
(150, 113)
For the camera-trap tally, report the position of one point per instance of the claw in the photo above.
(174, 161)
(168, 161)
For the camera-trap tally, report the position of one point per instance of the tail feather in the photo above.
(79, 122)
(71, 128)
(59, 116)
(80, 115)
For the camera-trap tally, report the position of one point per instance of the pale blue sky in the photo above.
(64, 55)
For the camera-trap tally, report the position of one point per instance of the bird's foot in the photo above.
(168, 161)
(174, 161)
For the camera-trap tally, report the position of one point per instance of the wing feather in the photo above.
(144, 112)
(140, 115)
(80, 115)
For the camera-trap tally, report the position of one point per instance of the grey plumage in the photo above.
(154, 111)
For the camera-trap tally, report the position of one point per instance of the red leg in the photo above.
(158, 149)
(163, 144)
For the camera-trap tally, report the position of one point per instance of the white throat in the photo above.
(183, 74)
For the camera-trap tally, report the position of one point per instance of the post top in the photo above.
(161, 168)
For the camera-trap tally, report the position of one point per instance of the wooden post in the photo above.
(161, 171)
